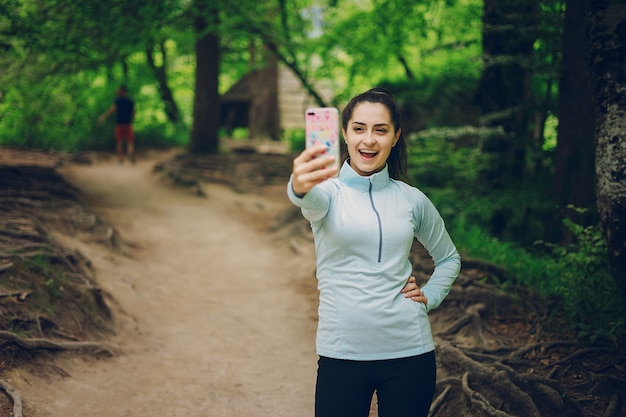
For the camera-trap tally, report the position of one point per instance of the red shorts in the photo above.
(124, 132)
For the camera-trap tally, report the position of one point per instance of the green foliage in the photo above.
(161, 136)
(296, 139)
(397, 41)
(50, 116)
(49, 288)
(446, 163)
(56, 299)
(574, 279)
(582, 278)
(450, 158)
(60, 65)
(62, 113)
(61, 61)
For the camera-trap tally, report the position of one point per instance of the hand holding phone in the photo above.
(322, 127)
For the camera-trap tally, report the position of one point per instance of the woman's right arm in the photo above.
(309, 170)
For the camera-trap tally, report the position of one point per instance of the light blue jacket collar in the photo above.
(349, 177)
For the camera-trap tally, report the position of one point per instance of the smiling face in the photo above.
(370, 135)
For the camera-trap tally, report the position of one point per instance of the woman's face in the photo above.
(369, 136)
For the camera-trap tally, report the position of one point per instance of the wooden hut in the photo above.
(276, 88)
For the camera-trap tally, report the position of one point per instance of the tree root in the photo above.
(495, 389)
(15, 397)
(479, 401)
(497, 382)
(438, 402)
(472, 315)
(20, 294)
(244, 171)
(615, 407)
(42, 343)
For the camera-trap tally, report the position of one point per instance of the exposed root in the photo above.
(479, 401)
(242, 171)
(616, 406)
(42, 343)
(438, 402)
(20, 295)
(472, 315)
(496, 382)
(15, 397)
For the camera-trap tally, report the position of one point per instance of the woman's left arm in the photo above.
(432, 234)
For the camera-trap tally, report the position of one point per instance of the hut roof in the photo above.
(240, 91)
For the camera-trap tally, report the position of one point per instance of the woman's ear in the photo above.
(395, 140)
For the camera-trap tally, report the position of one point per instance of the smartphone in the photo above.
(322, 126)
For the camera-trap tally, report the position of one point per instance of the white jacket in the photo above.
(364, 229)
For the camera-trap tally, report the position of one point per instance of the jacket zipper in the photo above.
(380, 225)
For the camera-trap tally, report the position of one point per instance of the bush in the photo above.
(577, 276)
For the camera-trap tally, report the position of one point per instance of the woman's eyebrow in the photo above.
(376, 125)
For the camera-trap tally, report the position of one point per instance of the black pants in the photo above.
(404, 387)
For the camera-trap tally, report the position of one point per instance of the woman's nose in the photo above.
(369, 138)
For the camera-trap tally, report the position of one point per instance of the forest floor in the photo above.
(184, 286)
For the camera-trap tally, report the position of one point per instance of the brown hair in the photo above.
(397, 160)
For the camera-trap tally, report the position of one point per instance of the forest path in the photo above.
(214, 324)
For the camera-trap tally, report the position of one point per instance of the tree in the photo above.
(206, 104)
(160, 74)
(574, 169)
(607, 54)
(510, 29)
(283, 32)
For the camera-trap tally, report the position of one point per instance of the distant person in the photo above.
(124, 109)
(373, 333)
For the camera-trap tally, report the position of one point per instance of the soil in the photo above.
(207, 274)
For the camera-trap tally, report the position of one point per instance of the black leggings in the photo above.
(404, 387)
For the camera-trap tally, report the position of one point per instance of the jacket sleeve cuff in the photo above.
(293, 197)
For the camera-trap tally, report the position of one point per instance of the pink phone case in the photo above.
(322, 126)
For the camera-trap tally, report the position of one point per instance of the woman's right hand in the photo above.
(310, 168)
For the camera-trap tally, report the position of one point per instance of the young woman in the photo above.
(373, 332)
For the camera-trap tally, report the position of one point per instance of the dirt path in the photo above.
(214, 323)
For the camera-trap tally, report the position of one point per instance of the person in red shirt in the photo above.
(124, 109)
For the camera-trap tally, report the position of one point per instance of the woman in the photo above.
(373, 332)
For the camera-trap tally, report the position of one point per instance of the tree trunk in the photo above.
(503, 94)
(607, 54)
(264, 115)
(574, 165)
(206, 103)
(160, 73)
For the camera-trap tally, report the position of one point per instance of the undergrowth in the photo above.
(513, 227)
(52, 300)
(576, 276)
